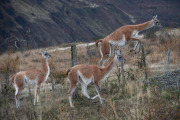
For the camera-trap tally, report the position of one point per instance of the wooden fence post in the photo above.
(88, 54)
(118, 74)
(123, 77)
(52, 81)
(144, 61)
(39, 109)
(74, 61)
(73, 55)
(32, 105)
(4, 97)
(167, 61)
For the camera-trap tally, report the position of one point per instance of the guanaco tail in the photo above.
(121, 36)
(86, 74)
(31, 77)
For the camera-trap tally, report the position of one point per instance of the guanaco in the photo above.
(121, 36)
(86, 74)
(31, 77)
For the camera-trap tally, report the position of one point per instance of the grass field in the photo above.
(129, 99)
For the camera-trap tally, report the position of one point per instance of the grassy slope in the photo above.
(135, 101)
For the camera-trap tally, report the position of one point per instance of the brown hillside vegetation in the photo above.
(130, 99)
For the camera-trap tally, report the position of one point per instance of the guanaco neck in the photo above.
(45, 66)
(144, 26)
(110, 66)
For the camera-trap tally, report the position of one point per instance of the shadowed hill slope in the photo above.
(59, 21)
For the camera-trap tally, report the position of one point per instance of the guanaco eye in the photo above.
(157, 22)
(45, 54)
(120, 57)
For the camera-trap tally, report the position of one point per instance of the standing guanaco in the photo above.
(31, 77)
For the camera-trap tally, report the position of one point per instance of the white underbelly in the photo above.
(85, 80)
(119, 42)
(29, 81)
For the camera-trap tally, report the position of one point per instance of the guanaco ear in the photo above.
(119, 52)
(115, 52)
(155, 17)
(41, 52)
(46, 50)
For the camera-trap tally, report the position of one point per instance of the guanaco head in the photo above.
(45, 54)
(119, 57)
(156, 22)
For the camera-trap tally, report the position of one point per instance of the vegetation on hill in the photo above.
(40, 23)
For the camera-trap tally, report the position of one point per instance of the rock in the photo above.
(170, 80)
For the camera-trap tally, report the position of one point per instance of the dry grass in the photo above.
(133, 101)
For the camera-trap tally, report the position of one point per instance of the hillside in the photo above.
(50, 23)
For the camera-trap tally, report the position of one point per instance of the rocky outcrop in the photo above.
(170, 80)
